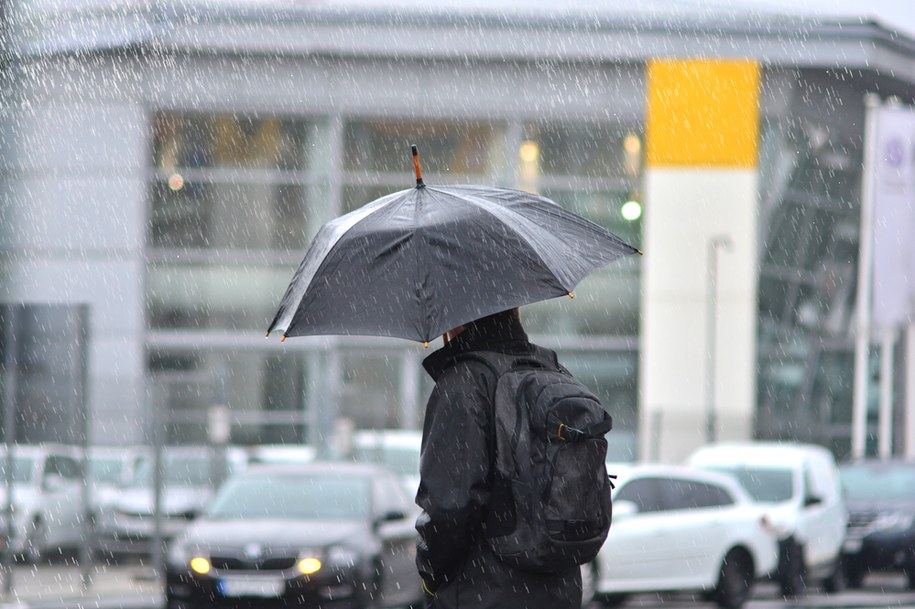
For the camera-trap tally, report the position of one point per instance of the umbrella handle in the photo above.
(419, 175)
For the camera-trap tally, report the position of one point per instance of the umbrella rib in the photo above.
(311, 264)
(519, 219)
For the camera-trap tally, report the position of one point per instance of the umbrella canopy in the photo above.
(418, 262)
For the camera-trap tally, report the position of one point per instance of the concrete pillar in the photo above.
(700, 188)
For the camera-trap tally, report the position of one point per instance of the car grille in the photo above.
(234, 563)
(859, 520)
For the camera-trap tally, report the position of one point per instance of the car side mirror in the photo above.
(812, 500)
(389, 516)
(624, 509)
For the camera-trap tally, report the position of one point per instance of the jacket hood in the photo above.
(500, 332)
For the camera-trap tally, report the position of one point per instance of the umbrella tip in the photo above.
(416, 169)
(283, 340)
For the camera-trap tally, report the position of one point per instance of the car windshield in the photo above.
(293, 497)
(401, 460)
(177, 470)
(764, 484)
(23, 469)
(878, 483)
(107, 470)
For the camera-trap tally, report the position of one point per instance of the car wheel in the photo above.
(835, 583)
(792, 574)
(854, 573)
(909, 568)
(589, 575)
(735, 580)
(36, 541)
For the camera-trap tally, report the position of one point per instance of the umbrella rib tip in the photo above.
(283, 340)
(426, 344)
(571, 295)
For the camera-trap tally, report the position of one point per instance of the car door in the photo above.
(818, 518)
(635, 548)
(397, 533)
(694, 531)
(62, 499)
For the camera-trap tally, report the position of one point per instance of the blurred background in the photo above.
(166, 164)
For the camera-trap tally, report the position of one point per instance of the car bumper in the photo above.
(254, 590)
(879, 550)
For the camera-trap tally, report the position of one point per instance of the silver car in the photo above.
(46, 499)
(190, 477)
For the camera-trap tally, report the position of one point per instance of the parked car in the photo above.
(280, 453)
(800, 485)
(108, 470)
(682, 529)
(190, 476)
(397, 449)
(47, 499)
(881, 520)
(299, 535)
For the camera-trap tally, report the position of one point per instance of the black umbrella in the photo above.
(416, 263)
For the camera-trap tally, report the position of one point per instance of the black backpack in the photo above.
(550, 506)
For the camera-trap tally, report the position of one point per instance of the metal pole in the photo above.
(865, 268)
(887, 360)
(910, 392)
(157, 555)
(79, 320)
(711, 323)
(10, 373)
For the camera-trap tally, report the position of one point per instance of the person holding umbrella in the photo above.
(457, 565)
(458, 261)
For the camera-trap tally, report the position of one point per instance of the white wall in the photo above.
(684, 209)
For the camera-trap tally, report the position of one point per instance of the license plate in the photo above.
(852, 546)
(264, 587)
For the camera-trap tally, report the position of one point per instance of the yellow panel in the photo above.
(702, 113)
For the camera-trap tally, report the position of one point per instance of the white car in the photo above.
(108, 470)
(397, 449)
(190, 477)
(799, 484)
(682, 529)
(47, 501)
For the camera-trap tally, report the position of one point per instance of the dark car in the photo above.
(335, 536)
(881, 522)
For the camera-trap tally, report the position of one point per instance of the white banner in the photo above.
(894, 217)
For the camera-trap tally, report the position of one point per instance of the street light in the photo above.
(715, 243)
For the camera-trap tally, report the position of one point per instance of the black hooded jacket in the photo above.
(455, 480)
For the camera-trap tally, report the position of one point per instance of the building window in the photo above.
(230, 214)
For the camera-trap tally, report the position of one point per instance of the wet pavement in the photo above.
(63, 587)
(138, 587)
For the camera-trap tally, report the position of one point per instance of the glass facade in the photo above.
(812, 171)
(234, 201)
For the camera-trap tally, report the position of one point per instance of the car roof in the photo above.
(318, 467)
(772, 453)
(409, 438)
(34, 450)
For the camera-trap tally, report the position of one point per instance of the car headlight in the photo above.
(893, 521)
(775, 526)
